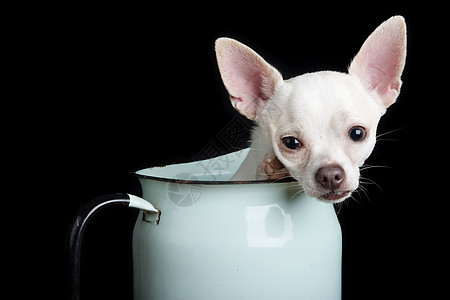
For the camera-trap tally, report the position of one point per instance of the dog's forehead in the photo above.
(327, 93)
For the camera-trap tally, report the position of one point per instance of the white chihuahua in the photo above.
(320, 127)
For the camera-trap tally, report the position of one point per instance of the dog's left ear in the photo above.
(381, 59)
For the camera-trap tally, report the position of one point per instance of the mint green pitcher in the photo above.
(201, 236)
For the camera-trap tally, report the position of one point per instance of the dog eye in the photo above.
(291, 142)
(357, 134)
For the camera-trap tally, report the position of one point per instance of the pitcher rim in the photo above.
(213, 182)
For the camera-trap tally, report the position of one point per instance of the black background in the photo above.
(100, 92)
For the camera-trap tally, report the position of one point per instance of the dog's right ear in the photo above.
(248, 78)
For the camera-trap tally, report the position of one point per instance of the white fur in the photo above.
(318, 109)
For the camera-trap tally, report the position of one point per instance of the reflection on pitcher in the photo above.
(268, 226)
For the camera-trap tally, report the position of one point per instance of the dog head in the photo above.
(322, 126)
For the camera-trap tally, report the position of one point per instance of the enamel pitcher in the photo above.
(200, 235)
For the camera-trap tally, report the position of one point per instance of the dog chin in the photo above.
(330, 197)
(334, 197)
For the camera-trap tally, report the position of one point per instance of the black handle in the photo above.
(75, 237)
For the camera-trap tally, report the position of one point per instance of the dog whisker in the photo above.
(295, 194)
(389, 132)
(365, 167)
(355, 199)
(370, 181)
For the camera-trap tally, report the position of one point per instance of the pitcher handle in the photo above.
(81, 220)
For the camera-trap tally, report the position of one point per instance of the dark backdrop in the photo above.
(110, 90)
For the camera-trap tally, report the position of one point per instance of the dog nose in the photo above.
(330, 177)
